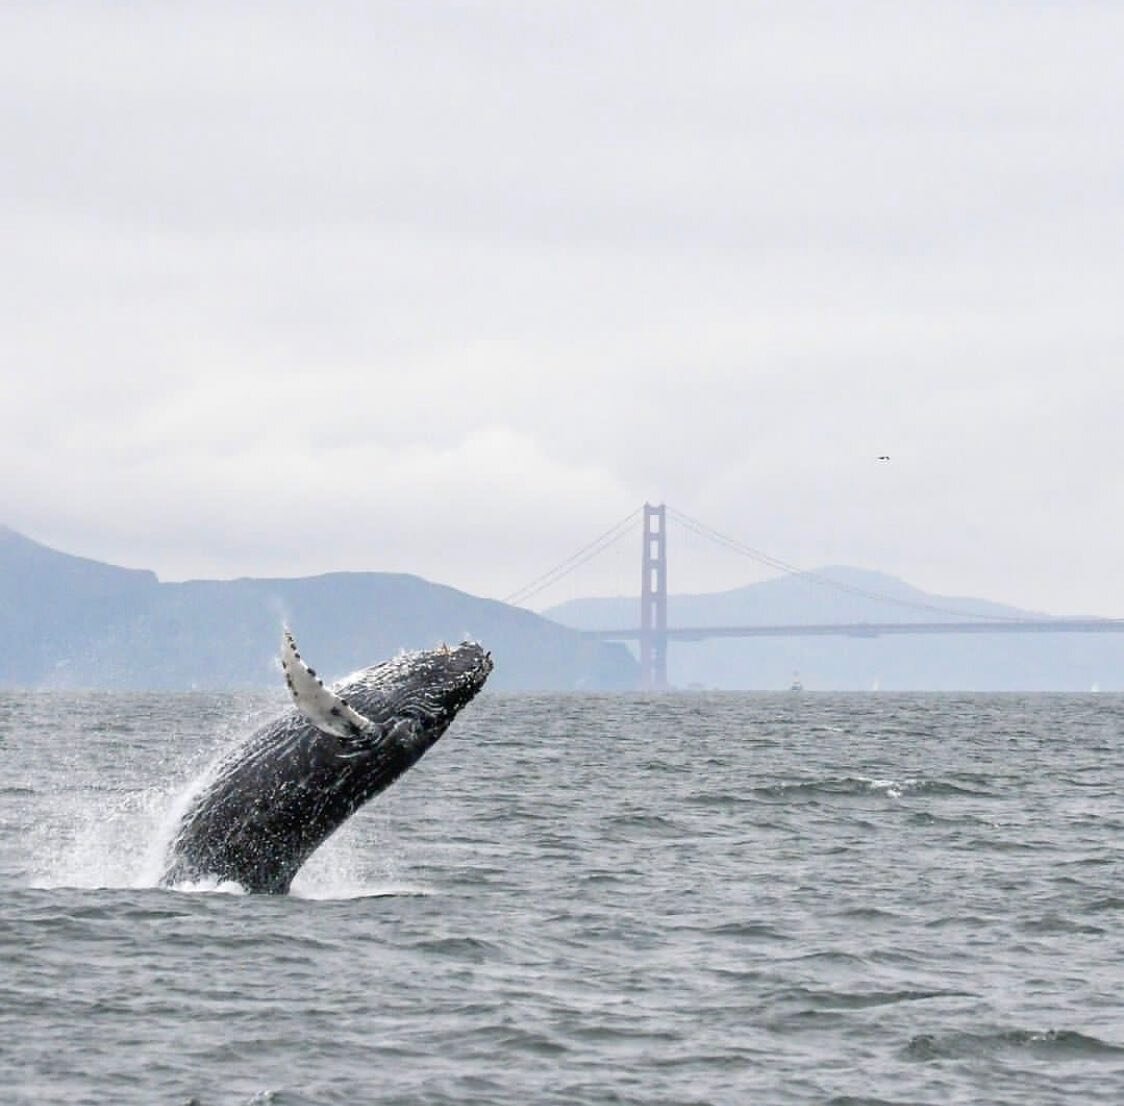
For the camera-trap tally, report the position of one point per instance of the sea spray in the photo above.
(110, 825)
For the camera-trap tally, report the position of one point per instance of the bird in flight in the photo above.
(883, 456)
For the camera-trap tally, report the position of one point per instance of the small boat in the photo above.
(796, 685)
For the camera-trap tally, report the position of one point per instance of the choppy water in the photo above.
(686, 899)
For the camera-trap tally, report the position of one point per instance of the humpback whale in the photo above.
(280, 794)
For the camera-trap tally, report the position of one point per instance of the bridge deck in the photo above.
(876, 629)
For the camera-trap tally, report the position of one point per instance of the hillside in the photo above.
(71, 622)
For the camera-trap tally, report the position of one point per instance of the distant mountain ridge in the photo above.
(73, 622)
(841, 594)
(834, 593)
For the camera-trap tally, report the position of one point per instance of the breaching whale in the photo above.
(276, 797)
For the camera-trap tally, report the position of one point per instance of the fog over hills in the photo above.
(70, 622)
(840, 594)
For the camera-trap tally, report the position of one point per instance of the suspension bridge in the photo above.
(653, 634)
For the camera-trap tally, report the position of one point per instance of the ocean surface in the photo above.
(680, 899)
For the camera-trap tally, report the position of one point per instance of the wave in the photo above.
(1057, 1044)
(657, 825)
(861, 1000)
(851, 1100)
(347, 891)
(864, 785)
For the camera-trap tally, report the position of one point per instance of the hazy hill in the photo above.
(1046, 662)
(792, 599)
(70, 622)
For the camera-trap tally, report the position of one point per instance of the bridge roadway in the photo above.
(873, 629)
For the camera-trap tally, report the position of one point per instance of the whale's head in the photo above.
(393, 710)
(428, 688)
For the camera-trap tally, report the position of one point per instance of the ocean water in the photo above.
(678, 899)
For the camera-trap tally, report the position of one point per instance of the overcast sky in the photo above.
(451, 288)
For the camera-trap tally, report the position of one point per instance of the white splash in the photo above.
(98, 841)
(209, 887)
(88, 837)
(892, 789)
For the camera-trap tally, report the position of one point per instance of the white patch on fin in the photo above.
(326, 711)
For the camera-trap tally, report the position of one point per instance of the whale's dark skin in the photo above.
(287, 788)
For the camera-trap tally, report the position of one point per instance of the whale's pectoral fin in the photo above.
(324, 709)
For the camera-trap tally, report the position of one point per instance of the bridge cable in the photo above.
(599, 544)
(702, 530)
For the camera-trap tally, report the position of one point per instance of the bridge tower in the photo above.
(653, 600)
